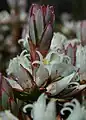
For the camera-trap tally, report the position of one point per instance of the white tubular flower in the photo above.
(58, 41)
(41, 111)
(77, 113)
(51, 58)
(21, 60)
(20, 68)
(24, 42)
(49, 65)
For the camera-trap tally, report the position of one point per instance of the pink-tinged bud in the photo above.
(41, 20)
(46, 39)
(70, 50)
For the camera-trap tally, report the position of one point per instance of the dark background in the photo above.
(76, 7)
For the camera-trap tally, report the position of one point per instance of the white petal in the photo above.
(39, 108)
(50, 113)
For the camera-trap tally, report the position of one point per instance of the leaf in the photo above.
(13, 84)
(56, 87)
(39, 24)
(41, 75)
(25, 79)
(32, 30)
(36, 7)
(74, 91)
(5, 99)
(46, 39)
(48, 16)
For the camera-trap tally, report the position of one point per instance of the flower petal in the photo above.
(39, 108)
(50, 113)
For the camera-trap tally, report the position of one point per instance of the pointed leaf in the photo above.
(74, 91)
(41, 75)
(49, 15)
(32, 30)
(57, 87)
(46, 39)
(39, 23)
(13, 84)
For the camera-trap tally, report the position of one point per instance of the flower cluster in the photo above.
(47, 66)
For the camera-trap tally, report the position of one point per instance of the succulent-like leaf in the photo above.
(32, 29)
(23, 76)
(72, 89)
(49, 15)
(13, 84)
(46, 39)
(25, 79)
(42, 75)
(33, 9)
(56, 87)
(39, 23)
(6, 94)
(36, 7)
